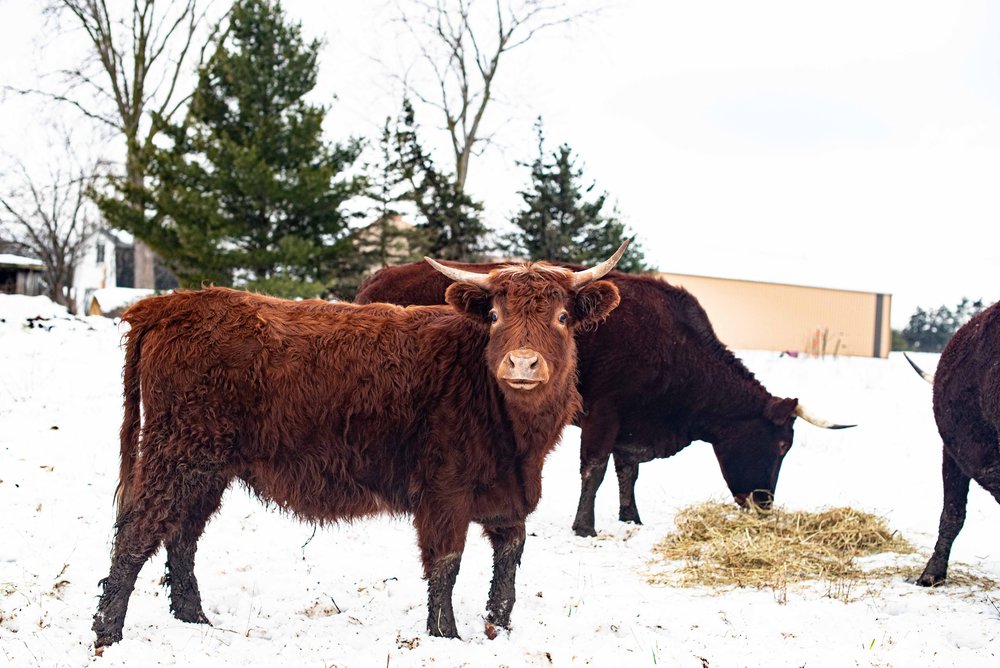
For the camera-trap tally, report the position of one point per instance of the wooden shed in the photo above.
(754, 315)
(20, 275)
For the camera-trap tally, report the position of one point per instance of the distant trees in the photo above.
(248, 192)
(448, 218)
(138, 55)
(227, 175)
(51, 218)
(929, 330)
(557, 220)
(462, 48)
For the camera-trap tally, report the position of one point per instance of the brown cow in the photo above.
(653, 379)
(340, 411)
(967, 411)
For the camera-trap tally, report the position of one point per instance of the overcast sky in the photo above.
(850, 144)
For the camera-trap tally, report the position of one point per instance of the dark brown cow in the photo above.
(967, 411)
(340, 411)
(653, 378)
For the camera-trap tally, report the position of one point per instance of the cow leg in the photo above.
(166, 494)
(185, 598)
(628, 473)
(441, 538)
(131, 551)
(956, 495)
(597, 439)
(508, 545)
(139, 533)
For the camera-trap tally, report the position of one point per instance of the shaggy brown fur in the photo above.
(653, 378)
(339, 411)
(967, 410)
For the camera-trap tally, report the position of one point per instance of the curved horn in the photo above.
(481, 280)
(819, 422)
(584, 276)
(929, 377)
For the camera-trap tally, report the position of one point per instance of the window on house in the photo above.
(100, 253)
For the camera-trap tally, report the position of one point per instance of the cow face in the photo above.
(531, 312)
(750, 451)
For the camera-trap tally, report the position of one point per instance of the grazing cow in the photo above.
(967, 411)
(653, 378)
(340, 411)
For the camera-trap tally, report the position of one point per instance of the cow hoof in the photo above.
(193, 618)
(105, 641)
(585, 532)
(930, 580)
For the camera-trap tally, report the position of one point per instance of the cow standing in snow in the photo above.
(967, 411)
(341, 411)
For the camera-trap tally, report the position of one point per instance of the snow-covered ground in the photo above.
(352, 595)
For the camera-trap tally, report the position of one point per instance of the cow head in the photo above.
(531, 311)
(750, 450)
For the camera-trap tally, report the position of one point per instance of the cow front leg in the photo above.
(956, 496)
(441, 537)
(628, 473)
(597, 438)
(508, 545)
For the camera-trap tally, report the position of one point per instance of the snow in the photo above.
(352, 595)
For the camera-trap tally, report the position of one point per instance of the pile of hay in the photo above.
(722, 545)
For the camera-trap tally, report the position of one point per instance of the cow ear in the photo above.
(470, 300)
(593, 302)
(780, 411)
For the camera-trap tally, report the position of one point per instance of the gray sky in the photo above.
(853, 144)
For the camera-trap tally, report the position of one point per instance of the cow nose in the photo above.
(524, 369)
(523, 360)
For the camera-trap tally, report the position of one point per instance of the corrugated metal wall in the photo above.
(771, 316)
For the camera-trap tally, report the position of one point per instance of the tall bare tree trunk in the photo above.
(144, 267)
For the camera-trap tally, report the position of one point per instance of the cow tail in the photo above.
(132, 422)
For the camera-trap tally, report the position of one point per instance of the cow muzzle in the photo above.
(523, 369)
(760, 498)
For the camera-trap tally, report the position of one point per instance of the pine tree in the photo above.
(248, 192)
(448, 217)
(557, 222)
(929, 330)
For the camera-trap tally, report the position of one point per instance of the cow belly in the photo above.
(322, 490)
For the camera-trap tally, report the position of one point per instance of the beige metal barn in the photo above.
(754, 315)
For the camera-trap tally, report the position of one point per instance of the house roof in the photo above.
(20, 262)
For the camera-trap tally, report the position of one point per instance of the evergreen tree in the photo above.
(248, 192)
(557, 223)
(930, 330)
(448, 218)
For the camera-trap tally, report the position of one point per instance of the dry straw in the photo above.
(721, 545)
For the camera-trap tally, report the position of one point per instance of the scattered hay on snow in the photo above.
(722, 545)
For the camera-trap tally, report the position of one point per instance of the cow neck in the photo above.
(735, 391)
(535, 427)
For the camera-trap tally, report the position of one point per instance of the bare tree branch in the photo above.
(464, 59)
(139, 54)
(52, 219)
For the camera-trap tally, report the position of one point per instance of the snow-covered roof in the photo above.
(110, 299)
(8, 260)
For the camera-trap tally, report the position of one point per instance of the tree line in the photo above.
(929, 329)
(234, 183)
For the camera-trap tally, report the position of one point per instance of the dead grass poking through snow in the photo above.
(720, 545)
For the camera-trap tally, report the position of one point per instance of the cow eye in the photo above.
(563, 317)
(493, 316)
